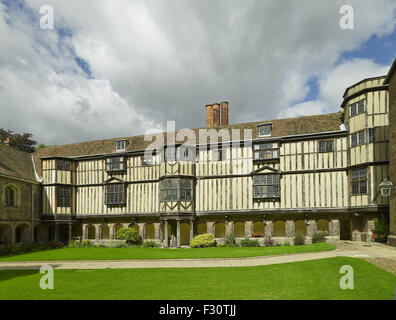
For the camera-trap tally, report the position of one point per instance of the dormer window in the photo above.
(265, 130)
(121, 145)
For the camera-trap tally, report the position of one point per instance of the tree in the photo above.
(19, 141)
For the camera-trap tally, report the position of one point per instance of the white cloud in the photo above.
(164, 60)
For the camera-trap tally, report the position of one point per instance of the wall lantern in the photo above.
(386, 186)
(306, 220)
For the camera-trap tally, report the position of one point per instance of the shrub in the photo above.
(268, 242)
(250, 243)
(230, 241)
(150, 244)
(131, 236)
(319, 237)
(299, 239)
(381, 229)
(203, 241)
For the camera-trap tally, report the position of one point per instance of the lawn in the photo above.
(158, 253)
(317, 279)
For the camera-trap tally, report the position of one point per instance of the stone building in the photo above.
(19, 196)
(277, 178)
(391, 82)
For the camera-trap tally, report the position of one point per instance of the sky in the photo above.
(119, 68)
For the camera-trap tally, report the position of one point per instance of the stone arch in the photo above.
(239, 229)
(279, 229)
(322, 225)
(300, 227)
(117, 227)
(90, 232)
(220, 230)
(11, 196)
(258, 226)
(104, 232)
(134, 226)
(184, 233)
(202, 228)
(5, 233)
(150, 231)
(21, 233)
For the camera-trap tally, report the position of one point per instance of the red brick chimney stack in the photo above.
(217, 115)
(224, 113)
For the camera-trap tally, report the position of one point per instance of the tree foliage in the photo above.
(22, 141)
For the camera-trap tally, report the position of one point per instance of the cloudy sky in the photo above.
(117, 68)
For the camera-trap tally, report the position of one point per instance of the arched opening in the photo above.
(150, 234)
(116, 228)
(11, 196)
(300, 228)
(51, 233)
(105, 233)
(220, 230)
(134, 226)
(202, 228)
(5, 233)
(21, 234)
(239, 229)
(91, 232)
(258, 227)
(279, 229)
(184, 233)
(63, 232)
(323, 225)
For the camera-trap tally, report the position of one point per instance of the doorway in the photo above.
(345, 230)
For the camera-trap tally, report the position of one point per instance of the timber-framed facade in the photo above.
(301, 175)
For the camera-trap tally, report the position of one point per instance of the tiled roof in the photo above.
(280, 128)
(15, 163)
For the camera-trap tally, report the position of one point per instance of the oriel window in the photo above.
(63, 196)
(115, 194)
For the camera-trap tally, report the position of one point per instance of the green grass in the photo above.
(317, 279)
(158, 253)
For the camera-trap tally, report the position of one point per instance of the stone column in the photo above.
(248, 228)
(268, 228)
(178, 233)
(84, 232)
(311, 228)
(97, 231)
(335, 228)
(191, 229)
(12, 230)
(157, 231)
(142, 230)
(111, 231)
(166, 237)
(210, 227)
(289, 228)
(229, 227)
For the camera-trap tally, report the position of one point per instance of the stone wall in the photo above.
(392, 157)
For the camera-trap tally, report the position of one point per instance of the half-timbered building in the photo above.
(277, 178)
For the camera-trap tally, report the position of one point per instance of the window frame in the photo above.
(270, 185)
(121, 145)
(259, 148)
(265, 125)
(15, 192)
(326, 143)
(63, 199)
(176, 189)
(63, 165)
(357, 136)
(361, 180)
(119, 195)
(359, 107)
(121, 164)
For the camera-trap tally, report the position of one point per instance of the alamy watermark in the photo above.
(347, 21)
(47, 17)
(47, 280)
(347, 280)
